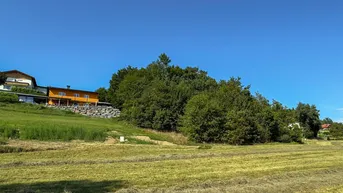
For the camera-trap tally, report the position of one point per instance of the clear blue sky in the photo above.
(290, 50)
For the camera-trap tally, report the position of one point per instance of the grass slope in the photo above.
(35, 122)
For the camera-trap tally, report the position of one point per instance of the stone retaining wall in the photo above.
(92, 111)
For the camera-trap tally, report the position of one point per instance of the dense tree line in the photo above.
(170, 98)
(336, 131)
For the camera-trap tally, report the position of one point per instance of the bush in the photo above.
(26, 91)
(204, 119)
(336, 131)
(285, 138)
(36, 109)
(324, 135)
(308, 133)
(8, 97)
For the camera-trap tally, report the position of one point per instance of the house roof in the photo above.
(326, 126)
(49, 87)
(17, 71)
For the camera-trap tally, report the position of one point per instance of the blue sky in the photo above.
(290, 50)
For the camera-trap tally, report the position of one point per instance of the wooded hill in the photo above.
(170, 98)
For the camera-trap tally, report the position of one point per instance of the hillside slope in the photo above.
(35, 122)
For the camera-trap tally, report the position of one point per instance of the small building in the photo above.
(25, 86)
(19, 79)
(68, 97)
(326, 126)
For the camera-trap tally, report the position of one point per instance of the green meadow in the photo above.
(45, 150)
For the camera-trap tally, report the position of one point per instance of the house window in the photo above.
(86, 96)
(76, 95)
(10, 79)
(7, 87)
(62, 94)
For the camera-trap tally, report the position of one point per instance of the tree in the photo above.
(242, 128)
(164, 59)
(336, 130)
(308, 117)
(166, 97)
(103, 94)
(327, 121)
(155, 97)
(204, 119)
(3, 78)
(117, 78)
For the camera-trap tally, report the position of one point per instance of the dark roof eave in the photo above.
(72, 89)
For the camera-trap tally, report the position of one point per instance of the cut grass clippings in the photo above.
(151, 168)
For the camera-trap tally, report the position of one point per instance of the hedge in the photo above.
(8, 97)
(26, 90)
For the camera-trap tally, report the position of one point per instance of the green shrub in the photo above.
(324, 135)
(336, 131)
(36, 109)
(8, 97)
(285, 138)
(27, 91)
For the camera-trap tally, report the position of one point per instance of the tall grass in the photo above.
(51, 132)
(55, 133)
(25, 121)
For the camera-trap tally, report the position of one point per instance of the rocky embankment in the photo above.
(92, 111)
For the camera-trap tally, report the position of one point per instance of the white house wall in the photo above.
(20, 80)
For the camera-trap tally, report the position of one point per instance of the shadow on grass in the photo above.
(84, 186)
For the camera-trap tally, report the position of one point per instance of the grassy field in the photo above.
(63, 165)
(33, 122)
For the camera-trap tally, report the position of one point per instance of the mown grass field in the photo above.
(63, 165)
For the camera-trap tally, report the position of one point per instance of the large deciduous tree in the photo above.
(327, 120)
(308, 117)
(103, 94)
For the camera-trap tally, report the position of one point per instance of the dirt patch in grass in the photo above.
(146, 138)
(111, 140)
(173, 137)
